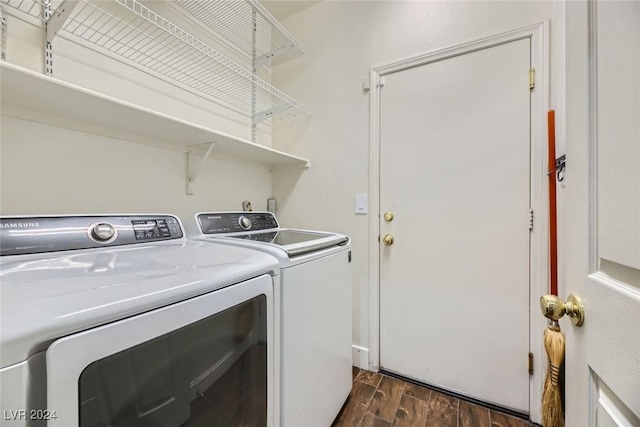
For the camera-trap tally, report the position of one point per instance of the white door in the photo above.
(603, 357)
(455, 158)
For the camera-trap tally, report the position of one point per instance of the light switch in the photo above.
(362, 203)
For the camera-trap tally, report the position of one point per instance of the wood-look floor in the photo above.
(377, 400)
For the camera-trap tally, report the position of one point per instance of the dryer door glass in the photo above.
(209, 373)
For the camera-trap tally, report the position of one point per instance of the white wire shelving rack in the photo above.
(247, 25)
(33, 8)
(133, 32)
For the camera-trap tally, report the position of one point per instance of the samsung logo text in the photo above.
(19, 224)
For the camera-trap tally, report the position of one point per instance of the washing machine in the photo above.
(315, 309)
(118, 320)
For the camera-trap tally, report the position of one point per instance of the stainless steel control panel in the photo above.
(29, 235)
(236, 222)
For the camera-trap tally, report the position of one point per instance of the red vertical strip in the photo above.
(553, 213)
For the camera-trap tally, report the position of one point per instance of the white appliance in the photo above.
(315, 316)
(121, 321)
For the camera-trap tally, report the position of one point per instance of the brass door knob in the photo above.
(388, 216)
(387, 239)
(554, 308)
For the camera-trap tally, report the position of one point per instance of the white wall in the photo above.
(48, 169)
(346, 39)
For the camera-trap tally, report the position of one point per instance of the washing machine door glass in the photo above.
(209, 373)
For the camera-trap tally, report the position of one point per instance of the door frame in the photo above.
(538, 281)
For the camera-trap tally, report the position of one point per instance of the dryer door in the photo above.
(203, 361)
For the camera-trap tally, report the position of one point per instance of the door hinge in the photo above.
(530, 219)
(530, 363)
(532, 78)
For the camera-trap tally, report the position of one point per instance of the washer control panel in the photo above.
(155, 228)
(29, 235)
(236, 222)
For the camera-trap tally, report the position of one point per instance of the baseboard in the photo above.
(360, 357)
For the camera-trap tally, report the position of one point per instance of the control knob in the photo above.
(103, 232)
(244, 222)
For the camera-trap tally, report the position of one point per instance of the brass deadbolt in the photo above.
(554, 308)
(388, 216)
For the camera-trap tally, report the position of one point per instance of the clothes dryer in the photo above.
(119, 320)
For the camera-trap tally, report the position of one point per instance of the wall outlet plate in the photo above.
(271, 206)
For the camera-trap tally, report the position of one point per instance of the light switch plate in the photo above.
(362, 203)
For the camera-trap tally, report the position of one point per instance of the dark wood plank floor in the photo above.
(377, 400)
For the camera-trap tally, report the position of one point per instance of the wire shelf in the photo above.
(136, 33)
(234, 20)
(33, 8)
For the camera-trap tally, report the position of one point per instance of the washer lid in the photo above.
(263, 228)
(296, 242)
(46, 296)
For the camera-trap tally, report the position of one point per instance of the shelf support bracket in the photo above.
(254, 69)
(194, 171)
(47, 11)
(263, 59)
(267, 114)
(59, 17)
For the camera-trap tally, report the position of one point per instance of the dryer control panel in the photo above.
(235, 222)
(30, 235)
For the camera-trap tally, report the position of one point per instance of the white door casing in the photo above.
(603, 134)
(533, 38)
